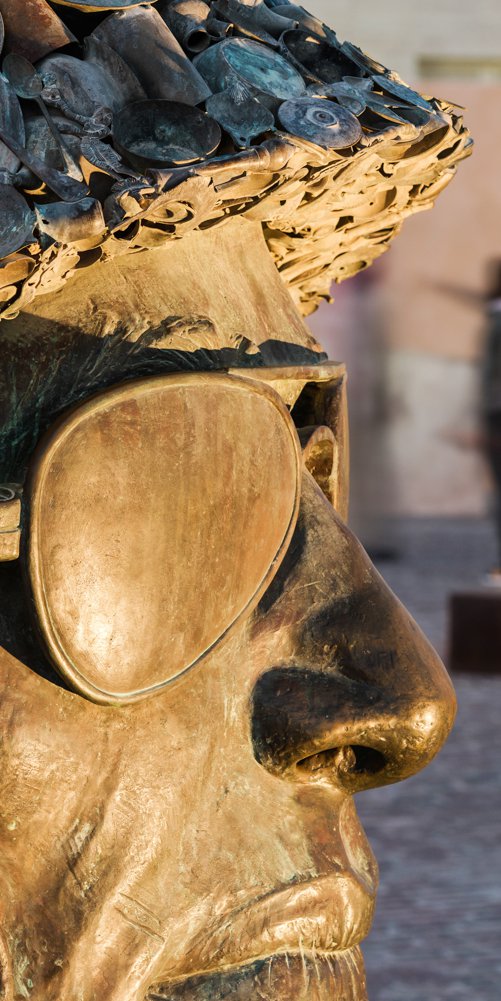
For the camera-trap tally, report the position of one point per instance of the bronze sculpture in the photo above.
(200, 666)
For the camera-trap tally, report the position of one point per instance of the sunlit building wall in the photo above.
(427, 300)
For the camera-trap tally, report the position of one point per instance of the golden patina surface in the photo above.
(199, 665)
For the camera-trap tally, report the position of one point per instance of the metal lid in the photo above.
(321, 122)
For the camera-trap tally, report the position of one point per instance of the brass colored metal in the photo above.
(250, 89)
(199, 665)
(79, 223)
(316, 395)
(201, 841)
(319, 450)
(10, 523)
(85, 540)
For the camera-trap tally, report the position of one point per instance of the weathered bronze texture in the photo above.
(329, 127)
(164, 133)
(16, 221)
(146, 44)
(192, 23)
(10, 523)
(28, 84)
(89, 534)
(199, 665)
(33, 28)
(327, 210)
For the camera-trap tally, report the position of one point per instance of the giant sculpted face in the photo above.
(199, 666)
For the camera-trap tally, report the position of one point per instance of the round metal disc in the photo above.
(346, 95)
(16, 221)
(361, 59)
(320, 122)
(163, 133)
(262, 68)
(402, 91)
(398, 113)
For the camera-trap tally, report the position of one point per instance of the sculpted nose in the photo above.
(361, 698)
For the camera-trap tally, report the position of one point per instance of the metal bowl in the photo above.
(164, 134)
(315, 58)
(262, 71)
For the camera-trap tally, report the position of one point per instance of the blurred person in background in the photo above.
(491, 401)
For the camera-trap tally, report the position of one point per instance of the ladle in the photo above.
(66, 188)
(28, 84)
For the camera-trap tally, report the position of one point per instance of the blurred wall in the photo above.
(428, 313)
(400, 33)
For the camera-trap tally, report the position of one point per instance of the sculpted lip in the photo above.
(327, 914)
(315, 977)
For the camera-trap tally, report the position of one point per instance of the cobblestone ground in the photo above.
(437, 837)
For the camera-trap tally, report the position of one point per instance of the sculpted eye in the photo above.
(319, 457)
(150, 535)
(317, 401)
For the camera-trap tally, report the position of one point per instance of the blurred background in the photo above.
(413, 331)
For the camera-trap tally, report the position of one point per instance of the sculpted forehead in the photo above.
(211, 301)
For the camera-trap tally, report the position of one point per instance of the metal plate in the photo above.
(16, 221)
(72, 222)
(346, 94)
(320, 122)
(12, 122)
(164, 133)
(261, 69)
(361, 59)
(315, 58)
(403, 92)
(152, 531)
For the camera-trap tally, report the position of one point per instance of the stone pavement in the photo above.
(437, 837)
